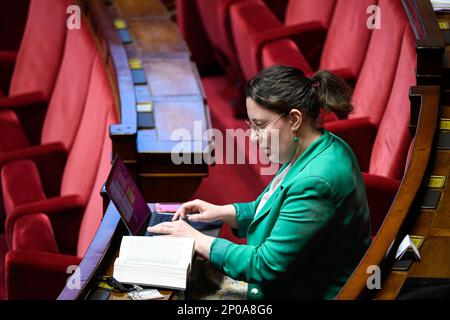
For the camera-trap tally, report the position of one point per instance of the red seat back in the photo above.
(94, 211)
(347, 37)
(215, 19)
(68, 98)
(41, 49)
(375, 80)
(84, 157)
(393, 138)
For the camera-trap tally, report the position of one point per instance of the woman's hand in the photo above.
(180, 228)
(207, 212)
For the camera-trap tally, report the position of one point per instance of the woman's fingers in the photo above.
(193, 205)
(199, 217)
(162, 228)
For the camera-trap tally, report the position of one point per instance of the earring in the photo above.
(295, 139)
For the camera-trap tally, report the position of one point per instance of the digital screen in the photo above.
(125, 195)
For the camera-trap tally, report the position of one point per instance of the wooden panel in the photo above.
(148, 9)
(435, 261)
(183, 114)
(391, 285)
(172, 77)
(157, 38)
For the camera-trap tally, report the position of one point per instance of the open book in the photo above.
(157, 261)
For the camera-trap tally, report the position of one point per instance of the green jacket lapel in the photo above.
(313, 150)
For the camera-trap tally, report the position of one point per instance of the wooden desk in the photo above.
(172, 95)
(99, 258)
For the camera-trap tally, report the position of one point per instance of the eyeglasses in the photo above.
(258, 129)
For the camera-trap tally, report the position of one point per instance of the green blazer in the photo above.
(309, 236)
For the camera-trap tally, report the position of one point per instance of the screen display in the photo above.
(125, 195)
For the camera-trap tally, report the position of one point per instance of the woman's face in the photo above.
(275, 137)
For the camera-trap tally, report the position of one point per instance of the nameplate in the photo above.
(417, 241)
(144, 107)
(120, 24)
(443, 24)
(135, 64)
(444, 124)
(436, 182)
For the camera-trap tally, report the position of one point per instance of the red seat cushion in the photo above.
(381, 192)
(21, 184)
(34, 232)
(12, 134)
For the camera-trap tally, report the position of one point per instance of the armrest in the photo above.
(50, 160)
(7, 62)
(65, 214)
(23, 101)
(359, 133)
(36, 275)
(380, 192)
(30, 109)
(308, 36)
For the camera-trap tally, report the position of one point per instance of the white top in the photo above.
(273, 186)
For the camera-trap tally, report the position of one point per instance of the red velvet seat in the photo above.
(214, 18)
(36, 267)
(39, 56)
(374, 83)
(254, 25)
(48, 144)
(389, 149)
(344, 47)
(79, 173)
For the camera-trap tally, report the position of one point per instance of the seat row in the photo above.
(55, 153)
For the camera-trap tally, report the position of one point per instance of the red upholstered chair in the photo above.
(205, 25)
(254, 25)
(374, 83)
(389, 150)
(48, 149)
(64, 209)
(344, 48)
(36, 267)
(39, 57)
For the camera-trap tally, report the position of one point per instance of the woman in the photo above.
(310, 227)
